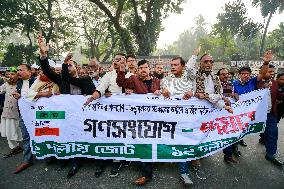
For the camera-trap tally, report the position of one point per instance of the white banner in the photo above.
(138, 127)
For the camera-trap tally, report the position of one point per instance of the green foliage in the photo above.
(268, 8)
(99, 34)
(233, 22)
(275, 41)
(31, 16)
(138, 23)
(222, 45)
(213, 45)
(188, 40)
(17, 54)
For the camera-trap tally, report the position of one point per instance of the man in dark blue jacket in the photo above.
(24, 83)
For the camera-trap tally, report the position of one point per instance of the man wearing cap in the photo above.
(109, 85)
(93, 69)
(58, 68)
(9, 127)
(35, 69)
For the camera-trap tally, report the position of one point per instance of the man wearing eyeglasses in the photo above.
(208, 87)
(246, 83)
(108, 81)
(131, 64)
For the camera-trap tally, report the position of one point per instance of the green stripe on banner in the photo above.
(187, 130)
(195, 151)
(140, 151)
(50, 114)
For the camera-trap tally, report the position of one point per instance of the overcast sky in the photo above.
(177, 23)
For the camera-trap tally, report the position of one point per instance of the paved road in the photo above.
(252, 172)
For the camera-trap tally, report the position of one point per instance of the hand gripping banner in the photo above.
(143, 128)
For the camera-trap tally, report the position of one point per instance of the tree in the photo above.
(137, 22)
(214, 45)
(30, 16)
(233, 22)
(18, 54)
(268, 8)
(276, 41)
(188, 40)
(100, 36)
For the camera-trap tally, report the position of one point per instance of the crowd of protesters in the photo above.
(190, 78)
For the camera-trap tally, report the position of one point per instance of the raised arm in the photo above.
(121, 79)
(48, 71)
(43, 60)
(267, 58)
(191, 67)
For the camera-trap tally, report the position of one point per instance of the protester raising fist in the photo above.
(43, 48)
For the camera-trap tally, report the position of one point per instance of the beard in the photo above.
(159, 75)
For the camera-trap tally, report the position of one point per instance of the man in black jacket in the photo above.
(68, 76)
(67, 82)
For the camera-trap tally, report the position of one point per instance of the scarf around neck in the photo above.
(200, 78)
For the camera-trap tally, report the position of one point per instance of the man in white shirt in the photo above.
(179, 83)
(93, 70)
(108, 84)
(108, 81)
(23, 85)
(206, 86)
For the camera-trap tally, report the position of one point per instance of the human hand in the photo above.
(187, 95)
(128, 91)
(267, 57)
(166, 93)
(229, 109)
(68, 58)
(89, 100)
(108, 94)
(157, 92)
(16, 95)
(197, 51)
(43, 48)
(201, 95)
(227, 101)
